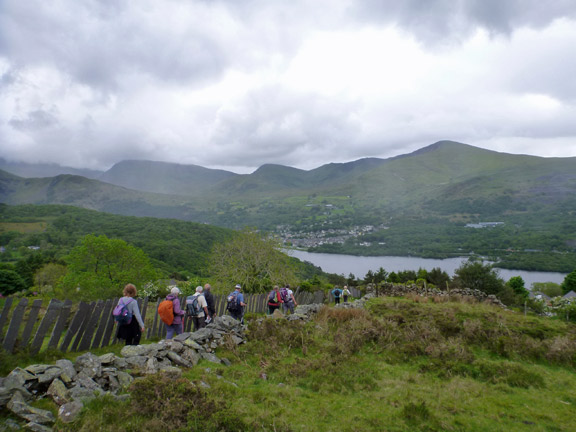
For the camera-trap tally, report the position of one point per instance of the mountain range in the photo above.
(444, 179)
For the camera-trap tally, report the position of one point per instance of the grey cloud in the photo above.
(436, 21)
(97, 49)
(273, 124)
(36, 120)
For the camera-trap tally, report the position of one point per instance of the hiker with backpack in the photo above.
(210, 302)
(345, 293)
(197, 308)
(171, 314)
(127, 315)
(236, 304)
(336, 292)
(288, 299)
(274, 300)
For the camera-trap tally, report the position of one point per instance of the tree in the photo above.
(438, 277)
(517, 284)
(100, 267)
(569, 283)
(380, 275)
(47, 277)
(477, 275)
(253, 261)
(10, 282)
(369, 277)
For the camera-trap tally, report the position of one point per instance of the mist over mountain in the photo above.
(30, 170)
(163, 177)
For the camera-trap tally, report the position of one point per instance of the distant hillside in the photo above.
(92, 194)
(427, 194)
(443, 178)
(165, 178)
(28, 170)
(173, 244)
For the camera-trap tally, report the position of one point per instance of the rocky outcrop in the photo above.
(70, 384)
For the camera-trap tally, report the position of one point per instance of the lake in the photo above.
(359, 266)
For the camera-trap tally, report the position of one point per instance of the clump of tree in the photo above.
(569, 283)
(252, 260)
(484, 277)
(10, 280)
(100, 267)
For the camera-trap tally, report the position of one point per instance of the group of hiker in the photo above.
(337, 293)
(200, 307)
(281, 297)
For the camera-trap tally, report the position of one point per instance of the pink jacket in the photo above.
(178, 313)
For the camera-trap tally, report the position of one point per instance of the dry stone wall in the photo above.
(70, 384)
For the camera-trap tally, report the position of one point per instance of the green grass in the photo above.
(401, 365)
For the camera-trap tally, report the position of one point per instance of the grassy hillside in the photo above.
(400, 365)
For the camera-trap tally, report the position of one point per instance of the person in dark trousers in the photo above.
(200, 319)
(345, 293)
(289, 299)
(274, 300)
(131, 332)
(210, 301)
(336, 292)
(236, 304)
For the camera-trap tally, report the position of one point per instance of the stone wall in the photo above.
(393, 290)
(71, 384)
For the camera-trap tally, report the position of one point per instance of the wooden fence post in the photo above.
(51, 313)
(60, 324)
(91, 326)
(4, 316)
(75, 325)
(103, 322)
(110, 325)
(32, 317)
(12, 333)
(152, 330)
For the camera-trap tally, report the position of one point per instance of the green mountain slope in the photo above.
(165, 178)
(445, 177)
(430, 193)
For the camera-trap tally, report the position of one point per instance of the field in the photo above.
(400, 365)
(23, 227)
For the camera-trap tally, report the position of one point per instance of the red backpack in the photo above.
(166, 311)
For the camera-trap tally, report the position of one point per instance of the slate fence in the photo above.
(83, 326)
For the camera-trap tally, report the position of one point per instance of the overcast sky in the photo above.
(236, 84)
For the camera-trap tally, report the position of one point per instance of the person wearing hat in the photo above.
(236, 304)
(176, 326)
